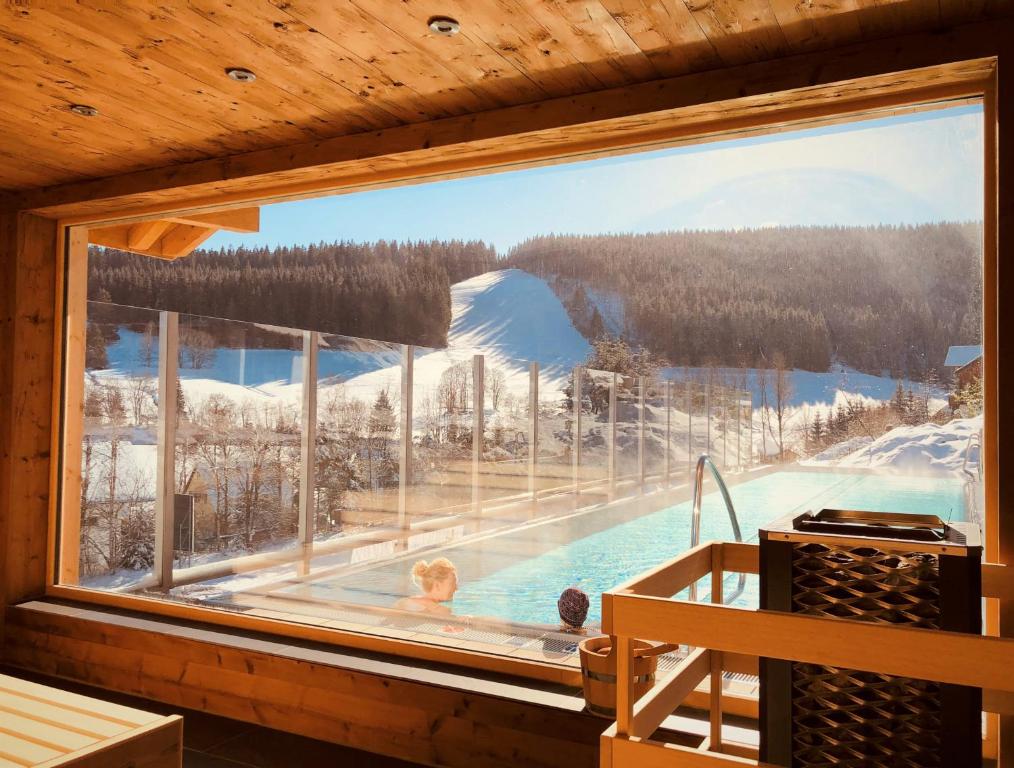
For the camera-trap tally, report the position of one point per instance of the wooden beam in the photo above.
(181, 240)
(173, 237)
(660, 702)
(868, 76)
(165, 238)
(982, 662)
(143, 235)
(75, 326)
(243, 220)
(655, 754)
(669, 578)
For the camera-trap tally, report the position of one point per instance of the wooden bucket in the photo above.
(598, 672)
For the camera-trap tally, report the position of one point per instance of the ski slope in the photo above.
(510, 317)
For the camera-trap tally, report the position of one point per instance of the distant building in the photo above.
(966, 362)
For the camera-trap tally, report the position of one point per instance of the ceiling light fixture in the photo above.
(444, 25)
(241, 75)
(84, 110)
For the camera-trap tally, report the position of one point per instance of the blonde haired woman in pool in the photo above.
(437, 581)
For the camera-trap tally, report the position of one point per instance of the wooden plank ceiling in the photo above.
(156, 71)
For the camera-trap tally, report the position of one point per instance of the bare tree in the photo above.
(215, 444)
(197, 347)
(149, 346)
(496, 386)
(455, 388)
(141, 393)
(762, 385)
(783, 394)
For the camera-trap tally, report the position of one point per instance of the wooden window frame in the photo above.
(835, 99)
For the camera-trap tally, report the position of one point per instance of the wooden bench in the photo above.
(43, 726)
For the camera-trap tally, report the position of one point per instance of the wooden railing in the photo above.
(730, 639)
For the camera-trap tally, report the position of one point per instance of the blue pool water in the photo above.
(517, 576)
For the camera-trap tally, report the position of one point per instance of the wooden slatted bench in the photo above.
(43, 726)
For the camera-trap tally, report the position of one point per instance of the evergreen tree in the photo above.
(596, 327)
(181, 400)
(817, 433)
(735, 298)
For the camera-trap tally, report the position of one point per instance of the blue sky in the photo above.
(907, 169)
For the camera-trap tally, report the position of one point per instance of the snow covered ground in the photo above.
(509, 316)
(921, 449)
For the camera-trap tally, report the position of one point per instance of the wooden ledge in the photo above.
(413, 710)
(419, 712)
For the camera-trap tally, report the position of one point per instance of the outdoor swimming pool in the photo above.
(517, 576)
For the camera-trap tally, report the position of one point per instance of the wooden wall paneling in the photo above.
(8, 258)
(331, 636)
(961, 11)
(307, 693)
(26, 394)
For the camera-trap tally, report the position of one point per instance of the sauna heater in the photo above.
(912, 570)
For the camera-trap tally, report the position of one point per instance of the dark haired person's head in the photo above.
(573, 606)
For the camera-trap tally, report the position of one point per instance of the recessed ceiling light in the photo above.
(241, 75)
(84, 110)
(444, 25)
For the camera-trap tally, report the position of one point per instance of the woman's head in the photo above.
(573, 606)
(438, 579)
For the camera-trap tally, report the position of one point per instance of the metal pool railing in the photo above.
(695, 526)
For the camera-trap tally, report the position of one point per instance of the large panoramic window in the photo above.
(456, 412)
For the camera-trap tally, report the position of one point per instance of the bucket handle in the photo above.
(658, 650)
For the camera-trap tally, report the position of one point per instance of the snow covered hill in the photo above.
(515, 316)
(509, 316)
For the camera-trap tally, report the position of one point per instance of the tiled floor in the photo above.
(217, 742)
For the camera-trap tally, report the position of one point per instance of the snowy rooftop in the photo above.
(959, 357)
